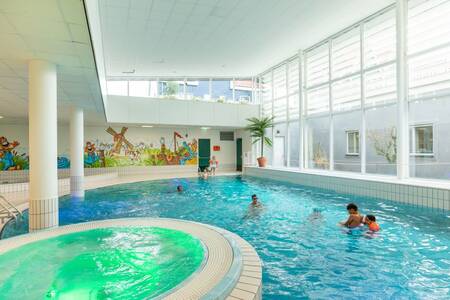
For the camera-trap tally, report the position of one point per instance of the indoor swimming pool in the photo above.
(305, 254)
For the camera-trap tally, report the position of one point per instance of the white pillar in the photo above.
(331, 119)
(76, 153)
(402, 92)
(301, 109)
(362, 131)
(43, 198)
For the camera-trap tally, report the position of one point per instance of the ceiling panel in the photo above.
(52, 30)
(218, 37)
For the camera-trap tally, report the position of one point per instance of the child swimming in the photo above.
(371, 221)
(354, 219)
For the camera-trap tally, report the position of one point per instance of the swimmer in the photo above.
(354, 219)
(315, 215)
(371, 222)
(179, 188)
(255, 202)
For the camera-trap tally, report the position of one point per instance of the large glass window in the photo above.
(318, 141)
(318, 100)
(318, 65)
(380, 86)
(266, 93)
(346, 54)
(347, 93)
(294, 145)
(198, 89)
(293, 84)
(119, 88)
(346, 143)
(429, 88)
(242, 90)
(381, 148)
(139, 88)
(380, 40)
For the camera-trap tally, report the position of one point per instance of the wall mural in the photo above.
(10, 159)
(117, 151)
(121, 152)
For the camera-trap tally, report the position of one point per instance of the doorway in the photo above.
(204, 153)
(239, 154)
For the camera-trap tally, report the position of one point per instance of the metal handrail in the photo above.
(13, 212)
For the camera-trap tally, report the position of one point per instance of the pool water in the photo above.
(304, 255)
(106, 263)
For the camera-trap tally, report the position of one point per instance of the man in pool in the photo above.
(354, 219)
(179, 188)
(255, 201)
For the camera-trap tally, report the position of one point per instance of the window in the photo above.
(119, 88)
(139, 88)
(421, 140)
(227, 135)
(353, 142)
(346, 54)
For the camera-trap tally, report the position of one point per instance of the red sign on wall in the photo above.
(216, 148)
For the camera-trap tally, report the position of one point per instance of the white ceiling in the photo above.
(52, 30)
(217, 37)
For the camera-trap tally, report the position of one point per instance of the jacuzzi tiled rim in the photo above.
(231, 270)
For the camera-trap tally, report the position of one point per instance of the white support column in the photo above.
(288, 140)
(43, 197)
(303, 108)
(362, 131)
(402, 91)
(272, 114)
(76, 153)
(331, 127)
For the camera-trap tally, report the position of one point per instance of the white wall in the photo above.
(139, 110)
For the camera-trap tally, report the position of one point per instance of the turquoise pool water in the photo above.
(304, 257)
(106, 263)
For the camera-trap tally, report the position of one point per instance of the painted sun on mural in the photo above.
(119, 151)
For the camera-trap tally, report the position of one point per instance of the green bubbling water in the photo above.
(106, 263)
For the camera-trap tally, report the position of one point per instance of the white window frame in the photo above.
(347, 134)
(412, 127)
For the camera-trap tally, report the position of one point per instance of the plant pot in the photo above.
(262, 162)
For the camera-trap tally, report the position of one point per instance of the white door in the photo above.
(278, 151)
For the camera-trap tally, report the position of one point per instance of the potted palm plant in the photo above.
(257, 129)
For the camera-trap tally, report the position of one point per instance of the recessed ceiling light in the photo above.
(205, 128)
(1, 117)
(147, 126)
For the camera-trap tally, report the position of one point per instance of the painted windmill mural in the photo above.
(120, 141)
(121, 151)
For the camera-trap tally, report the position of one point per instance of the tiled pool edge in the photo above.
(219, 264)
(402, 192)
